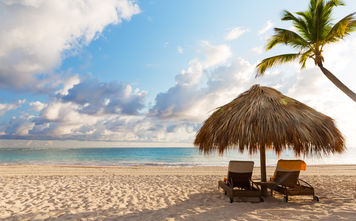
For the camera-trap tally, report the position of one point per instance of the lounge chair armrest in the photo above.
(258, 182)
(256, 185)
(226, 184)
(270, 185)
(305, 183)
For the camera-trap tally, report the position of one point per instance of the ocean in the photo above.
(150, 157)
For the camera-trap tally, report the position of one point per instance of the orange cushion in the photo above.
(292, 164)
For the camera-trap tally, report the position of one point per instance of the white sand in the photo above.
(158, 193)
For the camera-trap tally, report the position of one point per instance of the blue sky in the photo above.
(147, 73)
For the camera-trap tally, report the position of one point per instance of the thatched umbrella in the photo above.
(263, 118)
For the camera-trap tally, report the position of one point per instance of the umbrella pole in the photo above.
(263, 168)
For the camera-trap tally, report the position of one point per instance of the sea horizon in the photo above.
(150, 156)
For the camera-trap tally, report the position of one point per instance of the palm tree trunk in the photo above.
(337, 82)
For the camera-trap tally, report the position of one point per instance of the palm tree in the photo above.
(314, 30)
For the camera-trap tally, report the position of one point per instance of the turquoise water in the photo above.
(146, 157)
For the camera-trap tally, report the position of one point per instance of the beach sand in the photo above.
(163, 193)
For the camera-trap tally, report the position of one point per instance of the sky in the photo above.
(122, 73)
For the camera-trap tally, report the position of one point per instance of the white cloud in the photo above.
(189, 100)
(11, 106)
(90, 110)
(57, 120)
(180, 50)
(63, 121)
(18, 126)
(214, 54)
(95, 98)
(6, 107)
(68, 84)
(211, 82)
(192, 74)
(195, 103)
(266, 28)
(40, 33)
(235, 33)
(37, 105)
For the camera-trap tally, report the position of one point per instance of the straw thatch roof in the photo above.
(262, 116)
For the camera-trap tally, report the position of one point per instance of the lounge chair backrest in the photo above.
(239, 173)
(287, 172)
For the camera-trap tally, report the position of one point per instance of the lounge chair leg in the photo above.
(231, 199)
(286, 199)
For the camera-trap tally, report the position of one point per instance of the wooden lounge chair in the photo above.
(239, 183)
(286, 180)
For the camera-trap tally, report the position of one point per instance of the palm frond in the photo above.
(352, 27)
(307, 18)
(272, 61)
(333, 3)
(344, 27)
(313, 4)
(304, 57)
(320, 19)
(298, 23)
(284, 36)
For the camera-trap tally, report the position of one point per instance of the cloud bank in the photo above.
(41, 33)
